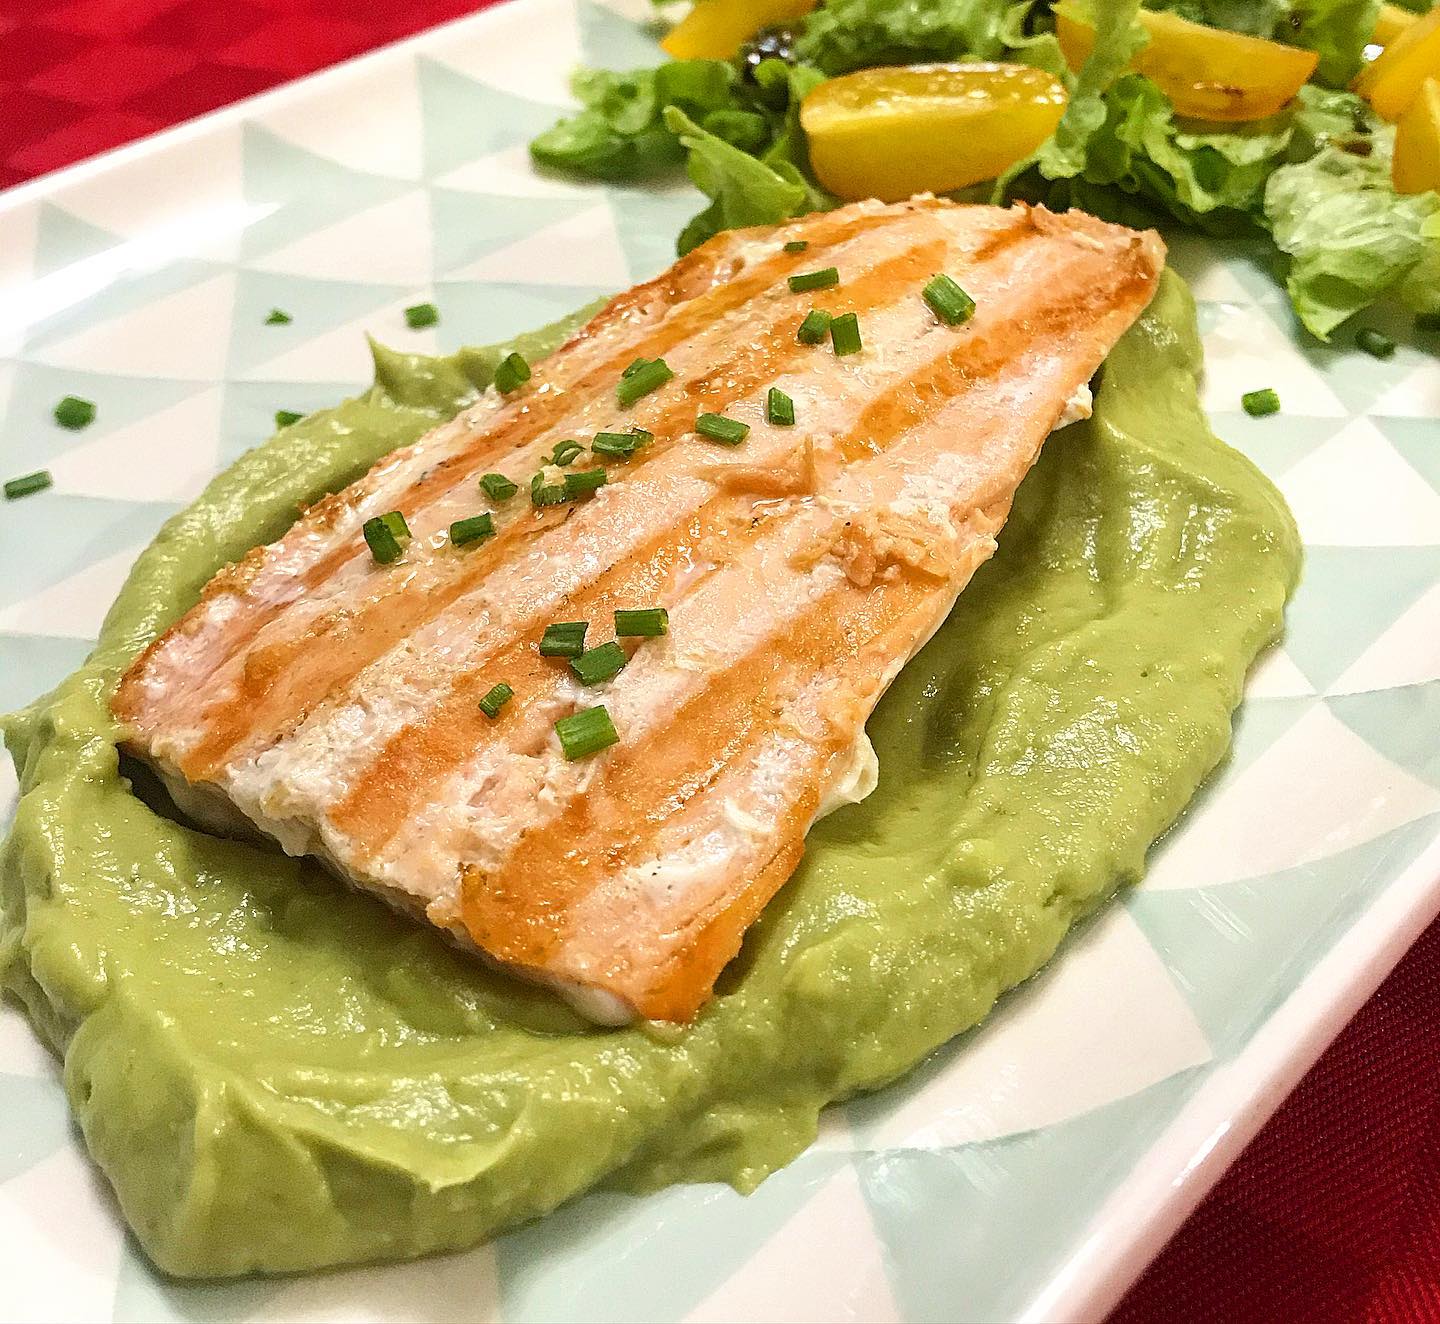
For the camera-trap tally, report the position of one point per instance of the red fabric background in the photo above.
(1333, 1213)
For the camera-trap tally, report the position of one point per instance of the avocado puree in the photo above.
(278, 1074)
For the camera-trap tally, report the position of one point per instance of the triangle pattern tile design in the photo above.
(406, 177)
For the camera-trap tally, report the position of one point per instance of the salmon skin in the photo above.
(333, 702)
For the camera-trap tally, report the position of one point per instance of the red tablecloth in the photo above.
(1333, 1213)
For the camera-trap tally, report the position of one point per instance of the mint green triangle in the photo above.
(1418, 440)
(974, 1232)
(465, 120)
(647, 224)
(616, 1257)
(63, 241)
(610, 41)
(1402, 723)
(1277, 443)
(34, 665)
(36, 1122)
(1238, 950)
(1348, 598)
(37, 388)
(304, 190)
(467, 226)
(481, 312)
(317, 306)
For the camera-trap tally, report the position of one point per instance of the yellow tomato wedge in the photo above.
(1208, 74)
(1417, 142)
(716, 29)
(1392, 80)
(889, 133)
(1390, 23)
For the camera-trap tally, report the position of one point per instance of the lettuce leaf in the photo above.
(855, 34)
(1350, 238)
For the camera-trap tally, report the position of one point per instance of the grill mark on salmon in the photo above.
(334, 703)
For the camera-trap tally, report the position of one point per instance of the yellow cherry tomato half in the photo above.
(1392, 80)
(1416, 167)
(716, 29)
(889, 133)
(1390, 23)
(1207, 73)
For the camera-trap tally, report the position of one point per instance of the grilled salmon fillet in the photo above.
(333, 702)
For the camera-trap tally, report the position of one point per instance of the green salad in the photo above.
(1314, 178)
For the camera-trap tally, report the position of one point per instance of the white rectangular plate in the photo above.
(1028, 1170)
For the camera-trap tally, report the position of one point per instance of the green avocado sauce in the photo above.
(278, 1074)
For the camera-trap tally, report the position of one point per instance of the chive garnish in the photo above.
(564, 639)
(947, 300)
(285, 417)
(74, 413)
(278, 317)
(583, 483)
(496, 699)
(586, 732)
(387, 535)
(845, 334)
(512, 373)
(640, 378)
(596, 665)
(1259, 403)
(779, 408)
(727, 431)
(797, 245)
(1375, 343)
(642, 622)
(547, 494)
(27, 484)
(420, 315)
(564, 452)
(813, 280)
(497, 487)
(621, 444)
(474, 529)
(814, 328)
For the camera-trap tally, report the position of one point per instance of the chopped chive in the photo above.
(547, 494)
(947, 300)
(474, 529)
(814, 328)
(779, 408)
(586, 732)
(1427, 321)
(496, 699)
(641, 378)
(497, 487)
(584, 482)
(420, 315)
(285, 417)
(564, 452)
(386, 535)
(27, 483)
(564, 639)
(1259, 403)
(813, 280)
(727, 431)
(74, 413)
(797, 245)
(622, 444)
(845, 334)
(642, 622)
(595, 665)
(278, 317)
(1375, 343)
(635, 366)
(511, 373)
